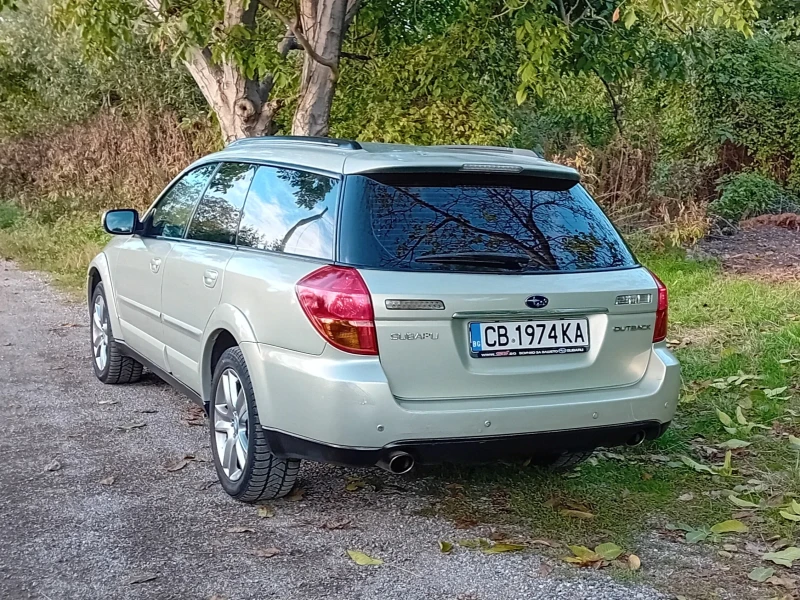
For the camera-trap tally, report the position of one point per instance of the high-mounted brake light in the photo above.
(337, 302)
(660, 330)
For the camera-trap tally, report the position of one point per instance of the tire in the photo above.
(109, 365)
(563, 461)
(261, 475)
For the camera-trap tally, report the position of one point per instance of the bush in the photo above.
(9, 215)
(746, 195)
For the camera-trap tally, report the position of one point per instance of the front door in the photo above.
(141, 260)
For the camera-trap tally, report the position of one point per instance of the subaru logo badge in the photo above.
(536, 302)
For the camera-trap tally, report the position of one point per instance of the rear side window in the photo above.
(290, 211)
(476, 222)
(217, 215)
(172, 213)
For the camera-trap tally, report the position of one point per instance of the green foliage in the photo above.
(46, 81)
(746, 195)
(10, 214)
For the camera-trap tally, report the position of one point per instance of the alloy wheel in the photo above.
(230, 424)
(100, 332)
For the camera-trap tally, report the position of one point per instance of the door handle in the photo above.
(210, 278)
(155, 264)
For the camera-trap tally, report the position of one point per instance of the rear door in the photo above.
(496, 285)
(139, 266)
(195, 268)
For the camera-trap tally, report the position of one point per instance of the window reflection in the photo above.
(174, 210)
(290, 211)
(217, 215)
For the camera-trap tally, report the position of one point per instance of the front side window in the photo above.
(290, 211)
(476, 222)
(172, 213)
(217, 215)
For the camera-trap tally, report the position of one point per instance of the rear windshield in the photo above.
(475, 223)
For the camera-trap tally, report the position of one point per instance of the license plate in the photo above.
(528, 338)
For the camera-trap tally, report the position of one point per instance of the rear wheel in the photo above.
(110, 366)
(563, 461)
(247, 470)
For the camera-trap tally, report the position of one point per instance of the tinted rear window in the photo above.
(466, 222)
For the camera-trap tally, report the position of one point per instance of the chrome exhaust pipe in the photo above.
(398, 463)
(636, 439)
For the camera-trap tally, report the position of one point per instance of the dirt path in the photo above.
(64, 534)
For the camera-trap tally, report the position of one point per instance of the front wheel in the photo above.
(110, 366)
(246, 468)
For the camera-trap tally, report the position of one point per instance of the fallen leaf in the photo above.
(239, 529)
(577, 514)
(144, 577)
(784, 557)
(761, 574)
(194, 415)
(724, 554)
(354, 484)
(615, 16)
(647, 476)
(686, 497)
(730, 547)
(696, 535)
(696, 465)
(130, 426)
(267, 552)
(476, 543)
(545, 569)
(734, 444)
(177, 465)
(363, 559)
(789, 516)
(107, 481)
(445, 547)
(608, 551)
(634, 562)
(783, 581)
(265, 512)
(296, 495)
(108, 402)
(53, 466)
(724, 418)
(498, 548)
(337, 523)
(794, 441)
(740, 418)
(742, 503)
(730, 526)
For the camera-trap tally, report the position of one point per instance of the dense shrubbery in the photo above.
(83, 134)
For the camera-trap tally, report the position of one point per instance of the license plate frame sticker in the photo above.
(495, 339)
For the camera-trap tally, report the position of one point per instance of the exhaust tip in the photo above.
(400, 463)
(636, 439)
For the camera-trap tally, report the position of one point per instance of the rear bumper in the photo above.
(318, 406)
(467, 450)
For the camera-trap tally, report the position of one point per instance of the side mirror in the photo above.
(124, 221)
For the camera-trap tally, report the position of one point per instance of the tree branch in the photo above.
(301, 39)
(611, 97)
(355, 56)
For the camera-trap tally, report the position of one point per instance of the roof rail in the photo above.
(478, 148)
(286, 139)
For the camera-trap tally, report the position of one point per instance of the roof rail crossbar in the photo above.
(478, 148)
(278, 139)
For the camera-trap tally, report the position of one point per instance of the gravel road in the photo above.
(68, 533)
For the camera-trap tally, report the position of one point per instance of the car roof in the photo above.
(347, 157)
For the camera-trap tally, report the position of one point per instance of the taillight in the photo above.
(660, 330)
(337, 302)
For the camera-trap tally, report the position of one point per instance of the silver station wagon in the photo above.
(378, 304)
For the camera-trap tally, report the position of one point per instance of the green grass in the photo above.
(62, 247)
(724, 325)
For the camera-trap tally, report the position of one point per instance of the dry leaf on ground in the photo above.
(265, 512)
(142, 578)
(267, 552)
(108, 481)
(240, 529)
(53, 466)
(363, 559)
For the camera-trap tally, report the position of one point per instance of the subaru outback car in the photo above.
(378, 304)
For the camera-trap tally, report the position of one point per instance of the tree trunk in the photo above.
(324, 24)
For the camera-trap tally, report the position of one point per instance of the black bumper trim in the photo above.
(466, 450)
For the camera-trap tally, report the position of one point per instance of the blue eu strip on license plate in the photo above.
(528, 338)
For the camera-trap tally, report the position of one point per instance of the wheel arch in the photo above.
(227, 328)
(100, 272)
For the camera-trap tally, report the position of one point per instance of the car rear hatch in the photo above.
(496, 285)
